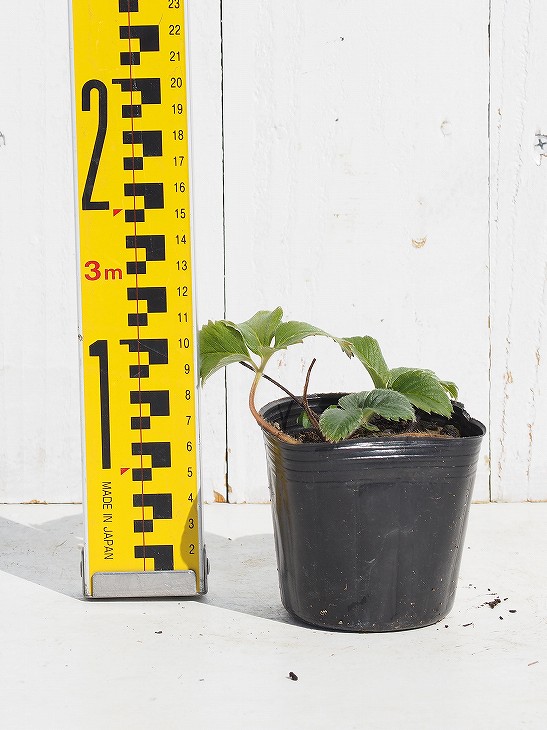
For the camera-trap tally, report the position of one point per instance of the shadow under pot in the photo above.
(369, 533)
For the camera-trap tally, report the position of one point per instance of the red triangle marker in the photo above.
(117, 210)
(122, 470)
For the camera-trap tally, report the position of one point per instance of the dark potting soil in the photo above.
(425, 425)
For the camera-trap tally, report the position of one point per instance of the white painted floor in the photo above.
(223, 661)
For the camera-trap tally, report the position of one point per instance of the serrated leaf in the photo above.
(220, 345)
(368, 351)
(356, 409)
(345, 345)
(448, 385)
(354, 400)
(258, 331)
(396, 372)
(292, 333)
(389, 404)
(424, 390)
(386, 403)
(339, 423)
(451, 388)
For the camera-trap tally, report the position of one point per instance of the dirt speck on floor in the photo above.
(493, 603)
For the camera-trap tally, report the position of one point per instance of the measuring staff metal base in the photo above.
(140, 584)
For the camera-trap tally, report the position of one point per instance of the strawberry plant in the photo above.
(396, 394)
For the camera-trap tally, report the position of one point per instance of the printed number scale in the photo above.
(138, 334)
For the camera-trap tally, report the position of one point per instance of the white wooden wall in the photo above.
(345, 167)
(518, 114)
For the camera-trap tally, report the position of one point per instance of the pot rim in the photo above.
(389, 440)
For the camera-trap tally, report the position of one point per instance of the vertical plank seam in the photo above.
(489, 251)
(536, 385)
(515, 196)
(226, 466)
(495, 477)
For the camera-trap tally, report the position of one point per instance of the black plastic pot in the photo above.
(369, 533)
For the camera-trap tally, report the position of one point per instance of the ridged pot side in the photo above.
(369, 533)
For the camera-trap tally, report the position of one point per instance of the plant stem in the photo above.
(262, 421)
(295, 398)
(311, 415)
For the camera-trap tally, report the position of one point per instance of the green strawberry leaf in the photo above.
(292, 333)
(356, 409)
(220, 345)
(451, 388)
(389, 404)
(339, 423)
(259, 331)
(354, 400)
(368, 351)
(423, 389)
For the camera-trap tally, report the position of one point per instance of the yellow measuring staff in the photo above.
(138, 333)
